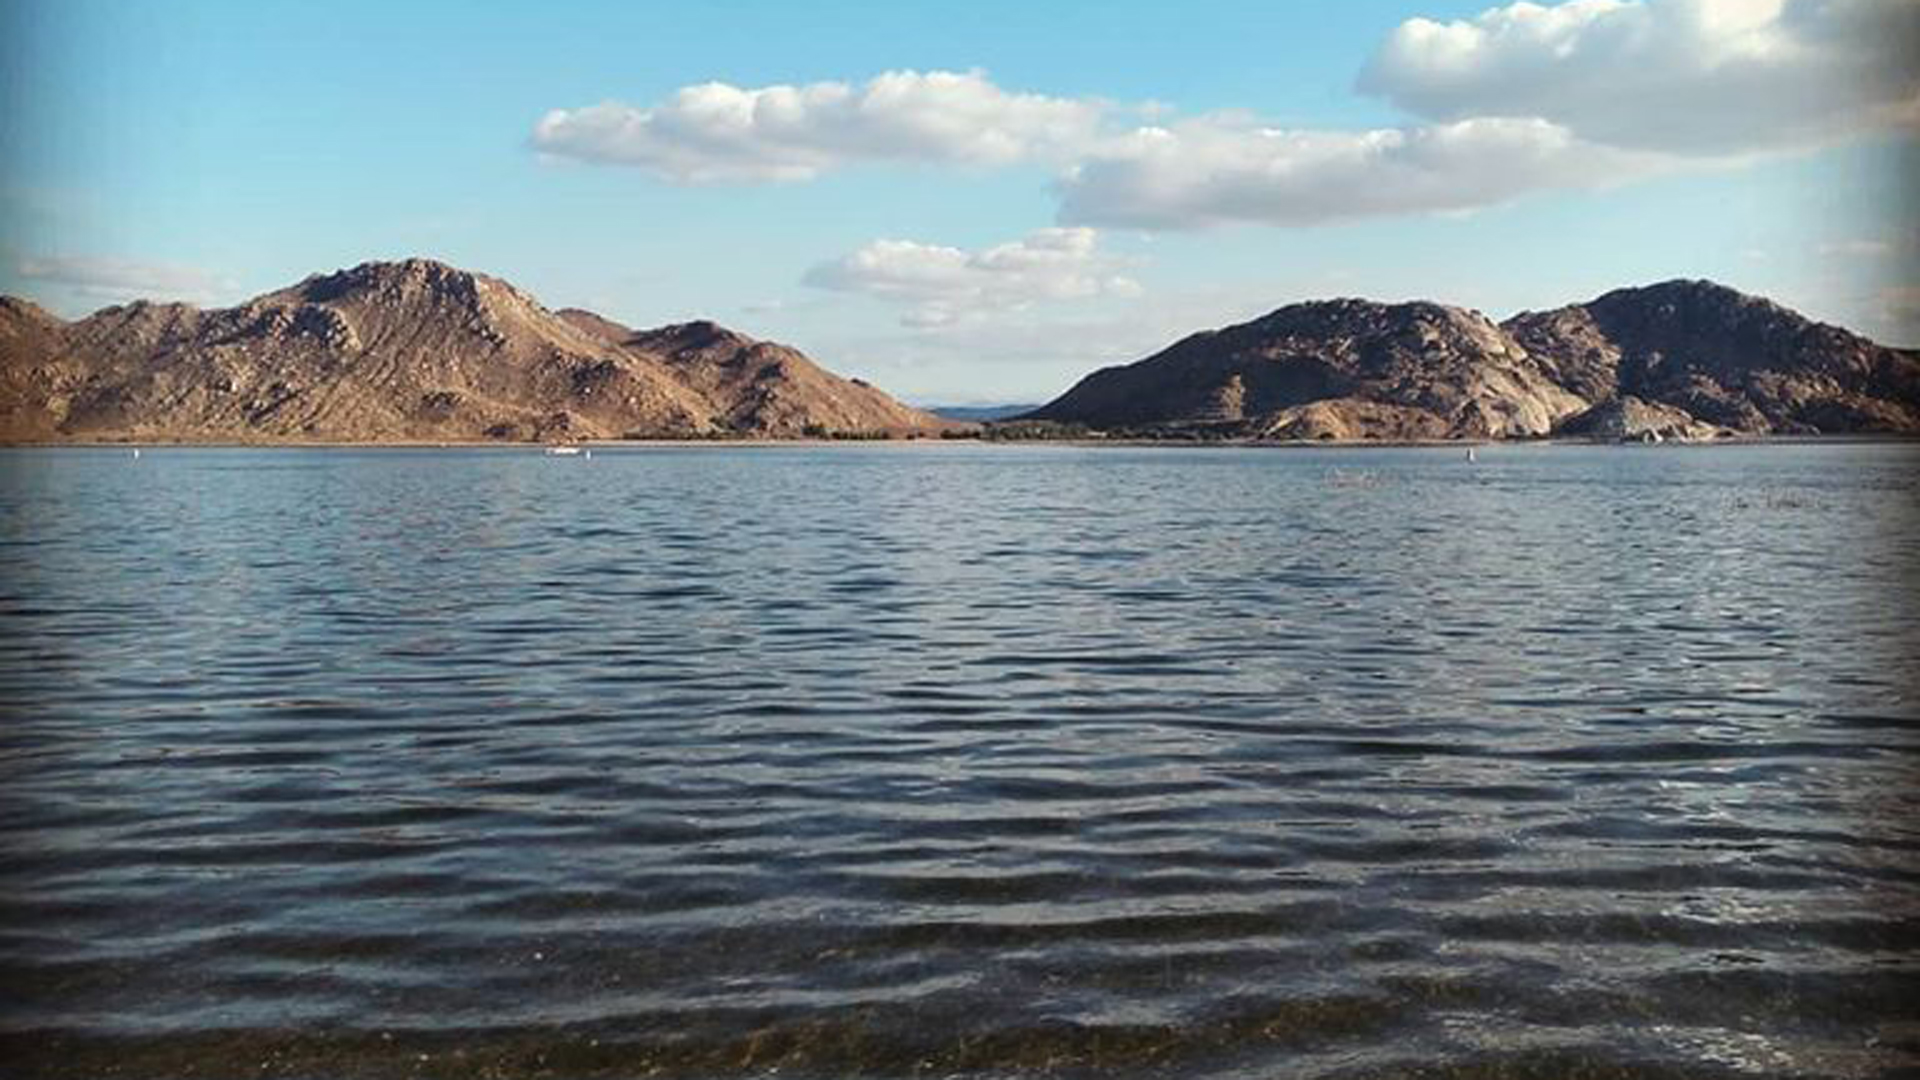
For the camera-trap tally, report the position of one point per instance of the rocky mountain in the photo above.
(410, 351)
(1725, 358)
(1629, 419)
(35, 369)
(760, 386)
(1341, 369)
(1683, 359)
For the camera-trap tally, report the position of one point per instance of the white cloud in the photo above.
(121, 279)
(716, 132)
(1521, 98)
(943, 285)
(1703, 77)
(1210, 172)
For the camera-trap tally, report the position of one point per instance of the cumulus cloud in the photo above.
(1698, 77)
(1210, 173)
(716, 132)
(943, 285)
(121, 279)
(1520, 98)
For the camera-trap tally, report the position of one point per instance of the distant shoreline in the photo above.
(1078, 443)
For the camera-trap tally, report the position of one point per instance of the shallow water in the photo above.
(961, 760)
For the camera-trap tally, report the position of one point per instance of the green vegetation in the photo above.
(1034, 431)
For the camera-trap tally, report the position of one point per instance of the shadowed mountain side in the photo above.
(409, 351)
(1725, 358)
(1391, 371)
(1682, 359)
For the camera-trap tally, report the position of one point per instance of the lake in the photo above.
(959, 760)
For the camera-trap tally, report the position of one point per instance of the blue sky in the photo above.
(1090, 182)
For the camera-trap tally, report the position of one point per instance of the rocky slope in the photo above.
(1683, 359)
(1346, 369)
(1725, 358)
(760, 386)
(409, 351)
(1629, 419)
(37, 373)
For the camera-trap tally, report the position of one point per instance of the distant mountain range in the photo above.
(411, 351)
(1688, 359)
(418, 351)
(976, 413)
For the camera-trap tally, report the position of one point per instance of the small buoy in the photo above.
(136, 453)
(1470, 454)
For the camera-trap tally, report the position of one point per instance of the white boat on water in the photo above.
(562, 451)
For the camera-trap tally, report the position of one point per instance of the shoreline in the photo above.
(1080, 443)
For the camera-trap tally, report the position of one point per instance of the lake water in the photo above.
(961, 761)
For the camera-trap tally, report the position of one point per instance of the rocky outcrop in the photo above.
(1729, 359)
(1683, 359)
(1628, 419)
(410, 351)
(1350, 419)
(765, 387)
(37, 373)
(1331, 369)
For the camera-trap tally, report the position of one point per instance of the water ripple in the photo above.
(943, 761)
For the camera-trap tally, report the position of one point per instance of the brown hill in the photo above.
(1629, 419)
(1682, 359)
(1726, 358)
(409, 351)
(36, 371)
(763, 387)
(1331, 369)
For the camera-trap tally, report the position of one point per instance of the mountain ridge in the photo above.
(413, 350)
(416, 350)
(1680, 358)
